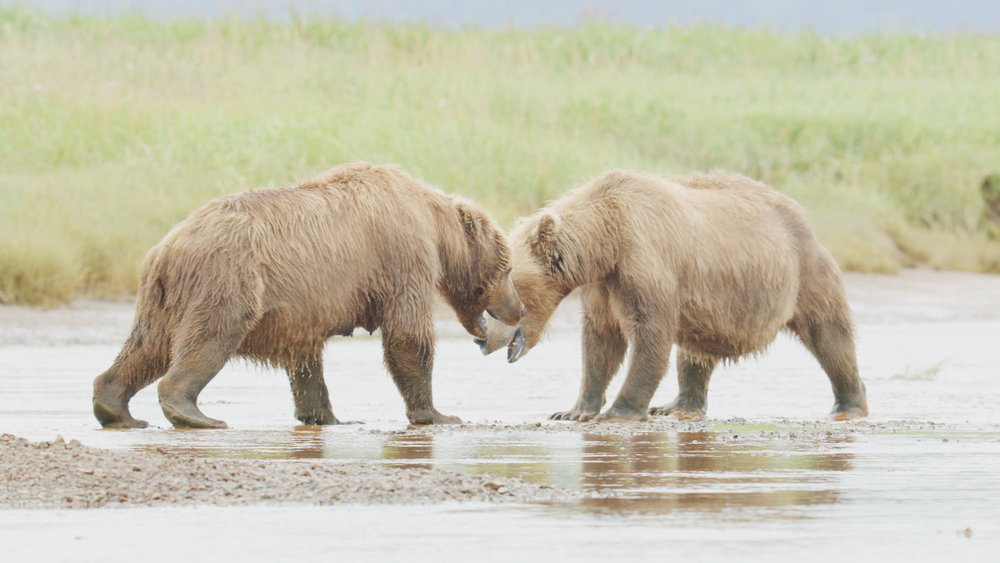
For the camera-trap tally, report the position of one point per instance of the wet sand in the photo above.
(766, 476)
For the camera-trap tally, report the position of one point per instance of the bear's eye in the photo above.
(478, 292)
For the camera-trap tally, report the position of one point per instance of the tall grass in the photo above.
(113, 129)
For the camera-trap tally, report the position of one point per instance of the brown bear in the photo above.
(271, 274)
(716, 264)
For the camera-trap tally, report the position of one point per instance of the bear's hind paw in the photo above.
(620, 415)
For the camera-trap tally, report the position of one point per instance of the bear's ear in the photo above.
(468, 217)
(546, 230)
(543, 241)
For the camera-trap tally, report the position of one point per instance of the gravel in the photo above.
(60, 474)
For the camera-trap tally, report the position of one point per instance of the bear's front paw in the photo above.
(619, 414)
(446, 419)
(575, 414)
(432, 417)
(320, 417)
(125, 424)
(851, 406)
(185, 414)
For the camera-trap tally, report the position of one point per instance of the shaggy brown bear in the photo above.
(271, 274)
(716, 264)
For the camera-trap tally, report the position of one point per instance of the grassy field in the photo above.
(113, 129)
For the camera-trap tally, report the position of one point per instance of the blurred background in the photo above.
(824, 16)
(118, 118)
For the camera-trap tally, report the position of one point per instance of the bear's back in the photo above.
(630, 194)
(359, 197)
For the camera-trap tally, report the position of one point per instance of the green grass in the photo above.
(113, 129)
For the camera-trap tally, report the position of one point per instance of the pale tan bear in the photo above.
(717, 264)
(271, 274)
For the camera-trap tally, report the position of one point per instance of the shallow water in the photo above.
(765, 477)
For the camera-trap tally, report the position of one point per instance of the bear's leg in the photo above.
(832, 343)
(604, 348)
(650, 355)
(692, 382)
(193, 366)
(410, 359)
(312, 399)
(134, 369)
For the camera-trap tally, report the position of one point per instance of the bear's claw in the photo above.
(679, 414)
(579, 416)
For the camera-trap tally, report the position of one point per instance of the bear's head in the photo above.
(541, 275)
(477, 271)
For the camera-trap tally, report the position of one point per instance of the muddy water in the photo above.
(766, 477)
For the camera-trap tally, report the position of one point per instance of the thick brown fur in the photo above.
(271, 274)
(716, 263)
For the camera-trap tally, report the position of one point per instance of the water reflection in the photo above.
(410, 450)
(304, 442)
(705, 471)
(659, 472)
(653, 472)
(307, 443)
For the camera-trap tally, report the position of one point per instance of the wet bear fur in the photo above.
(271, 274)
(716, 264)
